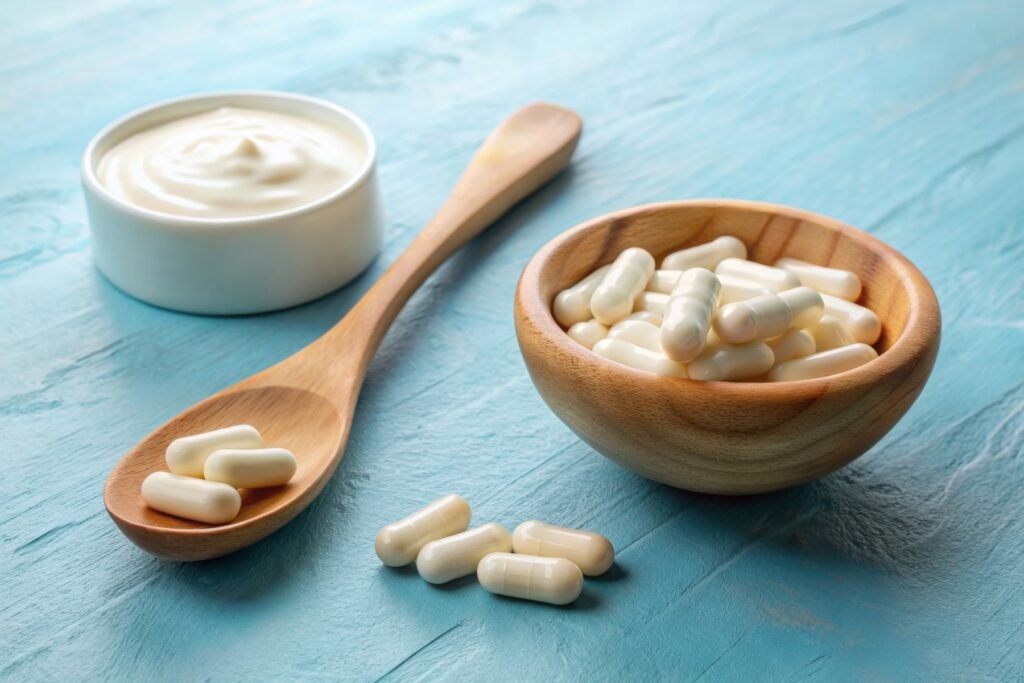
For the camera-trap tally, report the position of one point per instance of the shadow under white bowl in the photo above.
(251, 264)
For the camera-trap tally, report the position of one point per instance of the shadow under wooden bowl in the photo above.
(729, 437)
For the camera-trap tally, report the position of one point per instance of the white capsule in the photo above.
(829, 333)
(862, 323)
(792, 344)
(588, 333)
(250, 468)
(707, 255)
(688, 314)
(553, 580)
(398, 543)
(638, 332)
(775, 279)
(823, 364)
(573, 305)
(450, 558)
(663, 281)
(644, 316)
(768, 315)
(731, 362)
(834, 281)
(737, 289)
(588, 550)
(196, 499)
(186, 456)
(614, 297)
(639, 358)
(651, 302)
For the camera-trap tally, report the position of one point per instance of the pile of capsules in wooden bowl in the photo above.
(726, 346)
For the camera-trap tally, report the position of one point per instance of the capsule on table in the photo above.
(823, 364)
(553, 580)
(663, 281)
(829, 333)
(638, 332)
(196, 499)
(644, 316)
(707, 255)
(588, 550)
(250, 468)
(834, 281)
(651, 302)
(790, 345)
(731, 362)
(587, 333)
(775, 279)
(614, 297)
(737, 289)
(862, 323)
(187, 455)
(572, 305)
(639, 358)
(688, 314)
(769, 315)
(450, 558)
(398, 543)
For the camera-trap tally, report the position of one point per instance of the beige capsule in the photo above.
(731, 362)
(769, 315)
(587, 333)
(639, 358)
(638, 332)
(775, 279)
(447, 559)
(688, 314)
(823, 364)
(644, 316)
(553, 580)
(707, 255)
(792, 344)
(834, 281)
(398, 543)
(613, 299)
(250, 468)
(862, 323)
(651, 302)
(572, 305)
(196, 499)
(663, 281)
(829, 333)
(187, 455)
(589, 550)
(737, 289)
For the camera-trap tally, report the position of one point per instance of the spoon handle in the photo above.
(524, 151)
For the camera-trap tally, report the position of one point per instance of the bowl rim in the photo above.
(921, 331)
(95, 187)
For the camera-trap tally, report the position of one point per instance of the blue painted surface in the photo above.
(905, 118)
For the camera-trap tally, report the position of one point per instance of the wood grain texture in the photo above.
(903, 118)
(728, 437)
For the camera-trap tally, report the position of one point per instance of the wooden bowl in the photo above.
(729, 437)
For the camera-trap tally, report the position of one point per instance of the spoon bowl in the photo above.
(306, 402)
(729, 437)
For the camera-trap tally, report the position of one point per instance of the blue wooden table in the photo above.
(904, 118)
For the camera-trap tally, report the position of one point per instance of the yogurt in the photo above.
(230, 162)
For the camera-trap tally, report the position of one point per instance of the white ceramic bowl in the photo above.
(235, 265)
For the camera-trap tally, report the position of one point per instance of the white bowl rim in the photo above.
(93, 185)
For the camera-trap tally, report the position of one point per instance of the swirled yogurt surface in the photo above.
(230, 163)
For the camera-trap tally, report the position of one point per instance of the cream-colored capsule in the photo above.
(553, 580)
(196, 499)
(775, 279)
(862, 323)
(688, 314)
(187, 455)
(613, 299)
(588, 333)
(639, 358)
(829, 333)
(250, 468)
(573, 305)
(644, 316)
(790, 345)
(398, 543)
(638, 332)
(822, 364)
(731, 362)
(590, 551)
(768, 315)
(834, 281)
(663, 281)
(651, 302)
(737, 289)
(447, 559)
(707, 255)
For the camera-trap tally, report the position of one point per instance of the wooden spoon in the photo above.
(305, 403)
